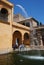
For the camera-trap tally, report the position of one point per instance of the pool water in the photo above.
(22, 58)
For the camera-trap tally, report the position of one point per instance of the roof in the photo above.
(30, 18)
(35, 20)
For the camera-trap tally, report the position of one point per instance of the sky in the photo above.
(33, 8)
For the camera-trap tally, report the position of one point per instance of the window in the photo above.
(27, 24)
(4, 14)
(4, 11)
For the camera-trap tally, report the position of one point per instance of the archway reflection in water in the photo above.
(22, 58)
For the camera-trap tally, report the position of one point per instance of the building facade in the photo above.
(16, 27)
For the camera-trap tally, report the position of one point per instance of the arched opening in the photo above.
(4, 14)
(26, 36)
(26, 39)
(4, 11)
(17, 38)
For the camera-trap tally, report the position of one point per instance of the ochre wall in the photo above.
(5, 37)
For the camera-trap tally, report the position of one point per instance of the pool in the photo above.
(23, 58)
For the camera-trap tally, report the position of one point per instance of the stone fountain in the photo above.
(35, 43)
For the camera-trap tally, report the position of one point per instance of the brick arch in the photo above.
(17, 35)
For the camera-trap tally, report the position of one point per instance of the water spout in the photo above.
(23, 9)
(16, 42)
(34, 57)
(34, 40)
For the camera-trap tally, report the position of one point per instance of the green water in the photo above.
(16, 59)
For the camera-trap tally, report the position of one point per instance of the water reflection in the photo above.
(16, 59)
(6, 59)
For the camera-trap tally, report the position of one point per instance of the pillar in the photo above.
(11, 20)
(41, 41)
(22, 38)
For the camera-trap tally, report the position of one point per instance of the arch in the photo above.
(4, 14)
(4, 11)
(26, 36)
(16, 36)
(26, 39)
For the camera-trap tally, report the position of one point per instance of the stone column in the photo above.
(41, 41)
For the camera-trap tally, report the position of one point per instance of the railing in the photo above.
(3, 18)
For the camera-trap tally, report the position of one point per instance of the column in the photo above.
(22, 39)
(41, 41)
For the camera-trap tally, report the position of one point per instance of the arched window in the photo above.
(4, 11)
(4, 14)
